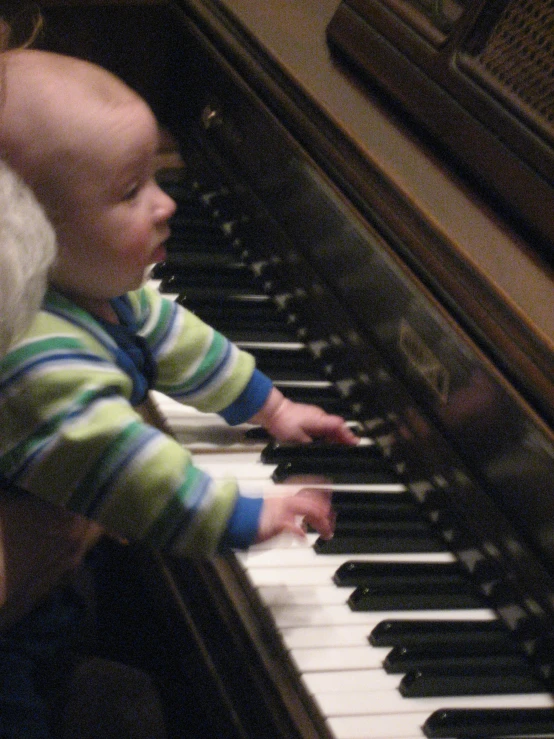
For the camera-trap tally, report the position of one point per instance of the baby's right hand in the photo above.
(292, 513)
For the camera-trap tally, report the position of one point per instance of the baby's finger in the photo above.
(337, 431)
(317, 513)
(323, 524)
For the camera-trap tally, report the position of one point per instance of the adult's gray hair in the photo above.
(27, 249)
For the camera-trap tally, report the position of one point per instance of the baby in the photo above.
(69, 390)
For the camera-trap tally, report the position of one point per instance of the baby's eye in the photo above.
(132, 192)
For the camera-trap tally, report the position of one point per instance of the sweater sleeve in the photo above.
(196, 365)
(250, 401)
(71, 437)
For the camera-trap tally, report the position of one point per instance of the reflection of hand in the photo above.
(291, 514)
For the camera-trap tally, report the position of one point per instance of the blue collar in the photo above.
(133, 354)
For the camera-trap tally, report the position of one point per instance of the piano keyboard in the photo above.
(328, 643)
(363, 691)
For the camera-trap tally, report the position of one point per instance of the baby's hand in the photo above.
(299, 422)
(292, 513)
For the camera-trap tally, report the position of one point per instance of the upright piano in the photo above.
(365, 203)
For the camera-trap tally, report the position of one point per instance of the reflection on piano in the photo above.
(431, 612)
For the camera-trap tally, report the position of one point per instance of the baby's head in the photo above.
(86, 144)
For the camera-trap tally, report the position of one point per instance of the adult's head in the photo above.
(27, 249)
(27, 241)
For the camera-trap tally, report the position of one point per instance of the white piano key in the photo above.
(203, 432)
(283, 542)
(264, 576)
(336, 615)
(362, 703)
(326, 636)
(155, 284)
(239, 459)
(314, 596)
(322, 659)
(403, 726)
(359, 702)
(285, 345)
(242, 470)
(349, 681)
(285, 615)
(303, 555)
(372, 487)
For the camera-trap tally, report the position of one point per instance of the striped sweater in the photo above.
(71, 435)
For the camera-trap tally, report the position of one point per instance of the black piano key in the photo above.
(186, 261)
(184, 194)
(276, 452)
(234, 276)
(257, 432)
(468, 649)
(404, 574)
(378, 511)
(292, 353)
(190, 295)
(322, 394)
(240, 308)
(487, 636)
(369, 499)
(259, 306)
(438, 682)
(257, 329)
(405, 659)
(197, 235)
(487, 723)
(240, 329)
(343, 477)
(281, 373)
(227, 209)
(355, 515)
(380, 597)
(382, 527)
(189, 219)
(355, 471)
(253, 332)
(285, 364)
(375, 527)
(379, 542)
(234, 311)
(193, 215)
(337, 463)
(395, 632)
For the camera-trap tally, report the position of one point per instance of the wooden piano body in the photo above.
(426, 311)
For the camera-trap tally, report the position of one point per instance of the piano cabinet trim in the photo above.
(255, 644)
(495, 323)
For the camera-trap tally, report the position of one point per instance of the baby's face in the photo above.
(116, 219)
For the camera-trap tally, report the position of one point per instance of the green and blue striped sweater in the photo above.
(71, 434)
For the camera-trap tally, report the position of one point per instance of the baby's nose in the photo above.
(167, 205)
